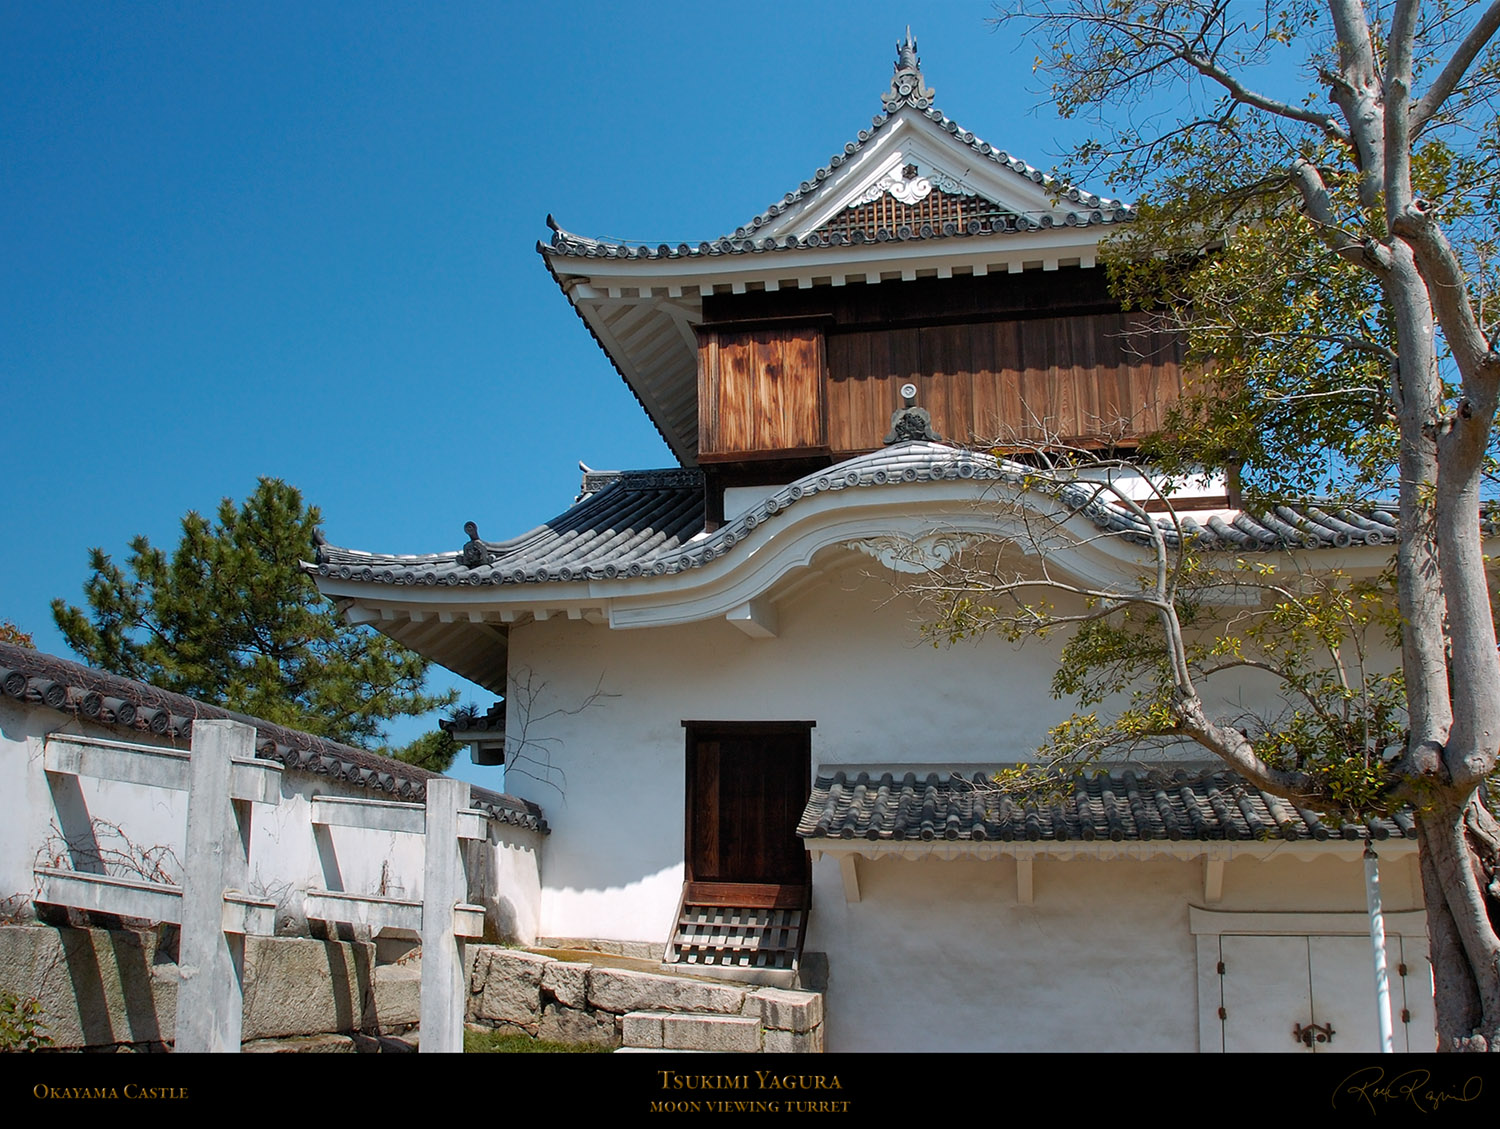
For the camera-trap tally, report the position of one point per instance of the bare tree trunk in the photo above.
(1458, 855)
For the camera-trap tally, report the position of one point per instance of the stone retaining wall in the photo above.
(579, 1002)
(101, 988)
(117, 987)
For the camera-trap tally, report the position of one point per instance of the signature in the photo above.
(1369, 1086)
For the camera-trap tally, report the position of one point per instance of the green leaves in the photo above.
(1292, 343)
(22, 1026)
(1305, 639)
(433, 751)
(231, 619)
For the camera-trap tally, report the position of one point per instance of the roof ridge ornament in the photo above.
(475, 552)
(909, 423)
(907, 86)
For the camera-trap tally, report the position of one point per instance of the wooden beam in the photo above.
(1213, 880)
(850, 874)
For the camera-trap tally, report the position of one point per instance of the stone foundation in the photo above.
(117, 988)
(578, 1002)
(103, 988)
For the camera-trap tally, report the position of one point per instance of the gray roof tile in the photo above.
(125, 704)
(635, 522)
(916, 803)
(647, 523)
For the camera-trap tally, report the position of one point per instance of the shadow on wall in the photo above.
(114, 987)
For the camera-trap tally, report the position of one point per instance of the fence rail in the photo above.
(223, 781)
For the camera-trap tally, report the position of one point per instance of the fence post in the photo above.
(211, 962)
(444, 885)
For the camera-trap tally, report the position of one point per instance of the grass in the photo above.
(498, 1042)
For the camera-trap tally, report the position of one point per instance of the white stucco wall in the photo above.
(941, 955)
(936, 954)
(288, 855)
(848, 656)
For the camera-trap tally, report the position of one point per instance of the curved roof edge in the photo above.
(649, 523)
(908, 97)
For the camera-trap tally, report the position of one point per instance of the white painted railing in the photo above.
(443, 918)
(223, 779)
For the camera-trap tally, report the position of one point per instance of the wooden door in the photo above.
(1272, 985)
(747, 784)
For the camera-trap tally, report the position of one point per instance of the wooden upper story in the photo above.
(919, 255)
(1018, 360)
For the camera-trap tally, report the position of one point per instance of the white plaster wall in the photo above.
(938, 955)
(848, 656)
(511, 882)
(742, 499)
(288, 855)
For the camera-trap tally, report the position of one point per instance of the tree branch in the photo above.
(1318, 203)
(1455, 68)
(1448, 286)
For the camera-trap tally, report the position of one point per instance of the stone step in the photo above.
(692, 1031)
(582, 1002)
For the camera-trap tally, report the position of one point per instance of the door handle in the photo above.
(1312, 1033)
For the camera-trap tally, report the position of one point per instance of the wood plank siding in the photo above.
(760, 392)
(1091, 378)
(1019, 359)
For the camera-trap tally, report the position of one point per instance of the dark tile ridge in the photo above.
(918, 802)
(130, 706)
(1277, 529)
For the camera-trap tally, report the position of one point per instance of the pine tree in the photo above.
(231, 619)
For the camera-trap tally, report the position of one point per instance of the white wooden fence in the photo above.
(224, 780)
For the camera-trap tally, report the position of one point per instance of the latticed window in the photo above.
(938, 213)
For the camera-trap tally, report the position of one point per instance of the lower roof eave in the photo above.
(1214, 850)
(1043, 249)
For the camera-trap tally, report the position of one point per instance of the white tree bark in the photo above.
(1104, 51)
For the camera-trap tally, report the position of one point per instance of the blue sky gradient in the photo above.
(298, 240)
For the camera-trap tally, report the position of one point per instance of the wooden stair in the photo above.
(732, 926)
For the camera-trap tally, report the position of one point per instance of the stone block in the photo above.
(96, 987)
(99, 987)
(635, 950)
(511, 989)
(622, 990)
(732, 1033)
(793, 1042)
(567, 1025)
(303, 1044)
(643, 1029)
(812, 972)
(786, 1010)
(300, 986)
(567, 983)
(398, 995)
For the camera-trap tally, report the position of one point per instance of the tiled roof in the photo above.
(129, 706)
(907, 93)
(744, 241)
(1127, 806)
(637, 520)
(647, 523)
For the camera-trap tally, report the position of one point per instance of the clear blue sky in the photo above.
(298, 240)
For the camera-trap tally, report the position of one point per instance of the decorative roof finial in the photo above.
(475, 552)
(907, 88)
(906, 53)
(910, 423)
